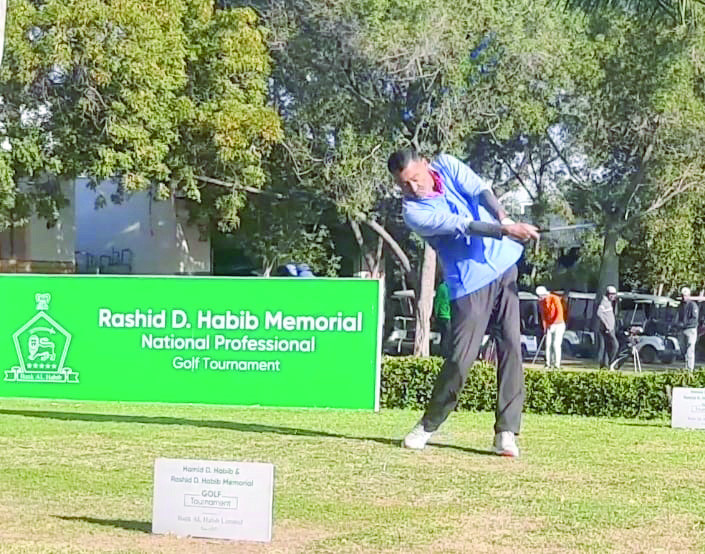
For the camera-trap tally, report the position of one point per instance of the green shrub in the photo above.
(407, 383)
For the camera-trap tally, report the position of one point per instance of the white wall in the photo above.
(34, 242)
(57, 243)
(156, 231)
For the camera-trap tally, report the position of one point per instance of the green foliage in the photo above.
(669, 249)
(407, 383)
(673, 12)
(543, 262)
(634, 125)
(276, 232)
(355, 80)
(229, 129)
(153, 92)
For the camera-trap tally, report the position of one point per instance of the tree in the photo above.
(153, 92)
(279, 229)
(668, 249)
(355, 80)
(677, 12)
(632, 127)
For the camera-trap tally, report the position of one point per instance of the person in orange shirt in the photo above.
(553, 320)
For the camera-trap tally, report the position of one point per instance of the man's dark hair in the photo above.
(401, 158)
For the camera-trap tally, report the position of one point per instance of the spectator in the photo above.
(607, 345)
(688, 313)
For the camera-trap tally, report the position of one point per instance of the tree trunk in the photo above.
(393, 244)
(366, 256)
(3, 10)
(424, 302)
(399, 254)
(609, 263)
(378, 271)
(537, 247)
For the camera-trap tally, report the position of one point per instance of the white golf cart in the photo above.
(655, 316)
(579, 338)
(400, 341)
(530, 328)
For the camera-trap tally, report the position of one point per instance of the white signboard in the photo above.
(213, 499)
(688, 408)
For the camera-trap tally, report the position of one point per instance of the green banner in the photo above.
(242, 341)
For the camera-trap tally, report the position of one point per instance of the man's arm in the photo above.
(542, 315)
(602, 317)
(472, 185)
(431, 223)
(553, 308)
(692, 311)
(492, 205)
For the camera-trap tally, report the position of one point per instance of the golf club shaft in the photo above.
(567, 227)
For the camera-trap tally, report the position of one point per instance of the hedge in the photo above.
(407, 383)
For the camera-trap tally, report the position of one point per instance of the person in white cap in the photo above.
(688, 315)
(605, 333)
(553, 321)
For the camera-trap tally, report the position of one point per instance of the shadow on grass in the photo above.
(219, 424)
(130, 525)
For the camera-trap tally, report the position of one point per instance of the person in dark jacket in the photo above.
(605, 333)
(688, 315)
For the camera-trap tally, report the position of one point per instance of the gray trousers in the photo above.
(496, 304)
(688, 339)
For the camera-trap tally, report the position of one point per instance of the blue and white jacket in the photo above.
(469, 262)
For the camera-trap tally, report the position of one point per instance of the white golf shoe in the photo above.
(505, 445)
(417, 437)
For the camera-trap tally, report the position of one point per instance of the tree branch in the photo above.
(376, 227)
(517, 176)
(393, 244)
(369, 259)
(562, 157)
(679, 186)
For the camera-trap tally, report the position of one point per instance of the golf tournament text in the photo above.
(243, 320)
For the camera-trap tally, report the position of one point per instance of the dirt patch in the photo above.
(673, 533)
(486, 532)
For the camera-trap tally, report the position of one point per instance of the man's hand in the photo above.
(521, 231)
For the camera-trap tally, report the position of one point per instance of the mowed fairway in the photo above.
(77, 477)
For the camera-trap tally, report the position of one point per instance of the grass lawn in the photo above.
(77, 477)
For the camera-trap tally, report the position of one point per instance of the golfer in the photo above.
(459, 216)
(553, 322)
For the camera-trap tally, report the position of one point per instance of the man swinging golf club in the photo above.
(447, 204)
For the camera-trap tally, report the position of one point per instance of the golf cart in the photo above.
(579, 338)
(655, 315)
(400, 341)
(530, 329)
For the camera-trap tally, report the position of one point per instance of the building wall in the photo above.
(13, 244)
(36, 243)
(139, 236)
(55, 244)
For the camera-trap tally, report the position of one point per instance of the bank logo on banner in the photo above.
(42, 345)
